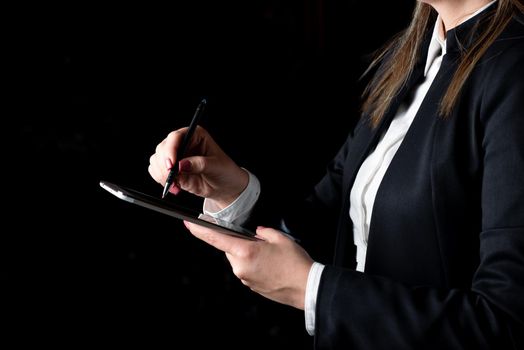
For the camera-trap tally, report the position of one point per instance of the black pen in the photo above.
(182, 149)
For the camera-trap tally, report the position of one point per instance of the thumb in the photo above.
(268, 234)
(193, 165)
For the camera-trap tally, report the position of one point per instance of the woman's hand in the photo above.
(206, 170)
(275, 267)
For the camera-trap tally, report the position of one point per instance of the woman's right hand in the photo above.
(205, 170)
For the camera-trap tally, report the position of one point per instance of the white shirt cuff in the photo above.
(313, 282)
(238, 211)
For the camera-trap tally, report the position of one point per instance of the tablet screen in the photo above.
(147, 201)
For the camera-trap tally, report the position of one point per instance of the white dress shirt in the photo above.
(238, 211)
(368, 178)
(374, 168)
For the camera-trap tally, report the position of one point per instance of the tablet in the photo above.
(177, 211)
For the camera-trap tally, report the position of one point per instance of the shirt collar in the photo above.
(437, 46)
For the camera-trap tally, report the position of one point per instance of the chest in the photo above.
(428, 201)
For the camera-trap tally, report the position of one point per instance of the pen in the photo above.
(182, 149)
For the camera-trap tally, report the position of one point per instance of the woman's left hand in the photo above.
(275, 267)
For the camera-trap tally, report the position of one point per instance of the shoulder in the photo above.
(509, 46)
(503, 62)
(501, 75)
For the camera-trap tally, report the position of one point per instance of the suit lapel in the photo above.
(365, 140)
(367, 137)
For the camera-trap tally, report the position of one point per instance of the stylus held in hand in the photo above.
(182, 149)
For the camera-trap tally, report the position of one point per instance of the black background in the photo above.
(95, 88)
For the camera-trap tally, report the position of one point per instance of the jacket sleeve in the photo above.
(359, 311)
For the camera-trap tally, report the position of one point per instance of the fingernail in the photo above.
(185, 166)
(261, 227)
(169, 164)
(174, 189)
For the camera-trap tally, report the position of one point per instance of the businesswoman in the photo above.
(427, 196)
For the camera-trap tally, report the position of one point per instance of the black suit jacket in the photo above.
(445, 258)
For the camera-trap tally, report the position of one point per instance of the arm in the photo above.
(277, 267)
(239, 210)
(360, 311)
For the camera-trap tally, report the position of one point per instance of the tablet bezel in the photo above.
(162, 206)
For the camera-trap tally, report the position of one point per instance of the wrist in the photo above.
(302, 290)
(231, 195)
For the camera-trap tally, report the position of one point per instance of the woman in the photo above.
(427, 194)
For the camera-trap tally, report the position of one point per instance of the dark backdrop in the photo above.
(96, 88)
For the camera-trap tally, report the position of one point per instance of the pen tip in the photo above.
(164, 193)
(204, 101)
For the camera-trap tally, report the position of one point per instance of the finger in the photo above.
(221, 241)
(159, 147)
(172, 142)
(239, 268)
(245, 283)
(168, 164)
(230, 258)
(157, 171)
(153, 169)
(151, 172)
(190, 169)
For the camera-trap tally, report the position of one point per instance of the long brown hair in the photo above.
(403, 51)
